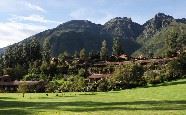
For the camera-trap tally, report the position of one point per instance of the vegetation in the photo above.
(104, 51)
(35, 59)
(128, 76)
(166, 98)
(23, 88)
(44, 64)
(117, 47)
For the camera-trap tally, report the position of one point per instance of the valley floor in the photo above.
(168, 98)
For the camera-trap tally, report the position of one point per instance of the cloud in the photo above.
(12, 32)
(33, 18)
(89, 14)
(35, 7)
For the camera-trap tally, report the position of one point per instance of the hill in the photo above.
(1, 50)
(136, 39)
(80, 34)
(171, 38)
(159, 32)
(77, 34)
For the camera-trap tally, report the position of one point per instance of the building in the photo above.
(7, 84)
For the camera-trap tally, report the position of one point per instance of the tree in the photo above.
(66, 54)
(82, 72)
(103, 85)
(104, 51)
(173, 70)
(76, 55)
(117, 48)
(128, 76)
(23, 88)
(46, 51)
(35, 50)
(83, 54)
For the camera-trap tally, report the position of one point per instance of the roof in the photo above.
(123, 56)
(96, 76)
(18, 82)
(4, 76)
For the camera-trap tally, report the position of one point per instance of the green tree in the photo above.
(104, 51)
(23, 88)
(128, 76)
(76, 55)
(82, 72)
(66, 54)
(34, 50)
(46, 53)
(117, 47)
(83, 54)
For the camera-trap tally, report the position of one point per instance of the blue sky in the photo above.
(20, 19)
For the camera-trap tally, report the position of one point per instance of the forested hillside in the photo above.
(151, 38)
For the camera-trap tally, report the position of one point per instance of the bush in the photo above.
(82, 72)
(71, 84)
(128, 76)
(173, 70)
(51, 87)
(103, 85)
(153, 77)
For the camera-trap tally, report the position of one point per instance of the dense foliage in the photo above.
(91, 46)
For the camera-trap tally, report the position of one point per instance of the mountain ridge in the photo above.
(74, 35)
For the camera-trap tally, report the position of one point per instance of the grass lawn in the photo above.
(167, 98)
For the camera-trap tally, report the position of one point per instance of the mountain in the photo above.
(1, 50)
(157, 32)
(123, 28)
(152, 26)
(77, 34)
(73, 36)
(171, 38)
(136, 39)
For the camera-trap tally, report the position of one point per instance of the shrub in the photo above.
(51, 87)
(173, 70)
(153, 76)
(128, 76)
(71, 84)
(103, 85)
(82, 72)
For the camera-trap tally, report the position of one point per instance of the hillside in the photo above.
(136, 39)
(159, 44)
(77, 34)
(152, 26)
(1, 50)
(80, 34)
(158, 32)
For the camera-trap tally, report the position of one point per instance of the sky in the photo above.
(20, 19)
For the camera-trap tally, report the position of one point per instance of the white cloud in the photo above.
(12, 32)
(35, 7)
(33, 18)
(89, 14)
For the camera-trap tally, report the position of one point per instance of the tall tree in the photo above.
(35, 50)
(117, 47)
(83, 54)
(46, 53)
(104, 51)
(76, 55)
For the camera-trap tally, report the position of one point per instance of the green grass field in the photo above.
(167, 98)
